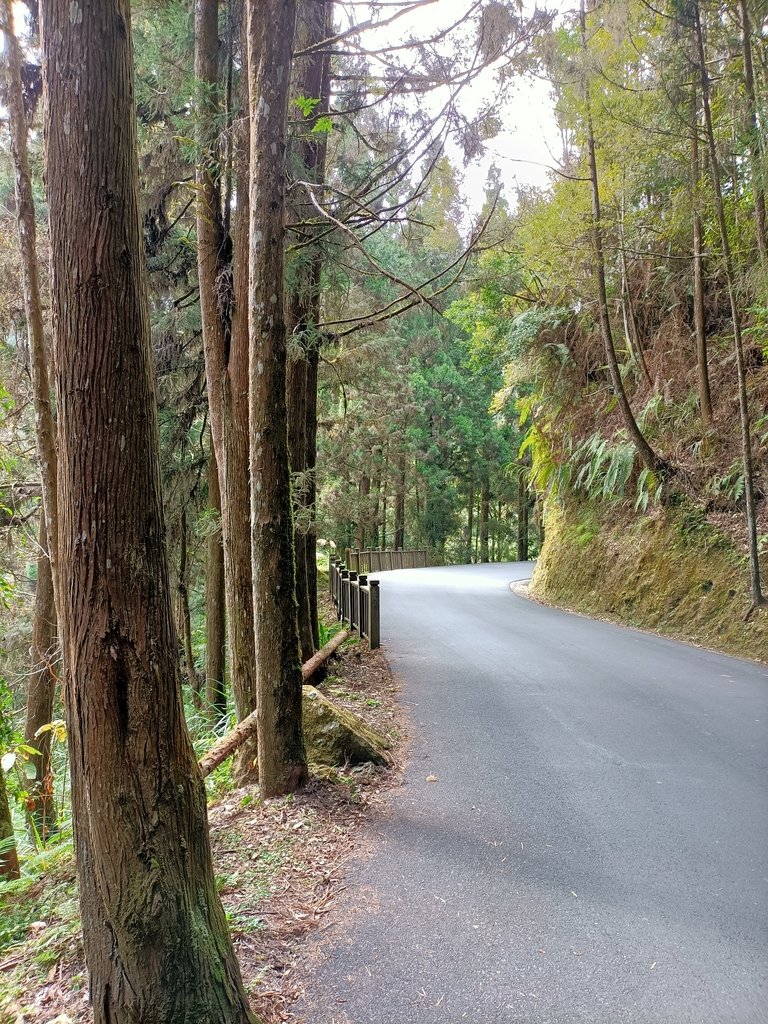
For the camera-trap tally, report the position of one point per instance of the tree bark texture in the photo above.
(307, 159)
(185, 615)
(225, 343)
(45, 428)
(282, 761)
(156, 940)
(41, 689)
(215, 632)
(297, 401)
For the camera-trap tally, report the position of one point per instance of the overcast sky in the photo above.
(529, 142)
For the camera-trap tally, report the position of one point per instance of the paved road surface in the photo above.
(596, 845)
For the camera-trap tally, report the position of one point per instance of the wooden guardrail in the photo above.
(356, 599)
(381, 561)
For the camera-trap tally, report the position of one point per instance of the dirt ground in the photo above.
(279, 865)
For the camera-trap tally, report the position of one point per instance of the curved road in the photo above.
(595, 847)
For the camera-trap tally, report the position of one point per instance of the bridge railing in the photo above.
(356, 599)
(377, 560)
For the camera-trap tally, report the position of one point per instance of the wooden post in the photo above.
(374, 635)
(354, 602)
(365, 605)
(344, 597)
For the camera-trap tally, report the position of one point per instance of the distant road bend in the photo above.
(595, 847)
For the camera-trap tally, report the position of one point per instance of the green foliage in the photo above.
(527, 328)
(731, 484)
(306, 104)
(605, 468)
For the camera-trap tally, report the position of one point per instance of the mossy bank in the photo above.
(670, 571)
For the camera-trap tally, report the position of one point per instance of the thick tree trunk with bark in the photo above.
(215, 645)
(311, 80)
(155, 936)
(41, 689)
(225, 343)
(282, 761)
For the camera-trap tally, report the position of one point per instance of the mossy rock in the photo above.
(334, 736)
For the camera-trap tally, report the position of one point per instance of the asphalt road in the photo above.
(595, 847)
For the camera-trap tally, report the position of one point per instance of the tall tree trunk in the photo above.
(41, 689)
(45, 429)
(376, 508)
(631, 331)
(485, 504)
(282, 761)
(185, 616)
(746, 440)
(702, 361)
(225, 343)
(758, 182)
(215, 646)
(470, 524)
(364, 490)
(522, 514)
(308, 157)
(313, 364)
(155, 936)
(41, 684)
(477, 533)
(644, 450)
(400, 481)
(296, 397)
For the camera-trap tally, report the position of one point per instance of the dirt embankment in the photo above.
(672, 571)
